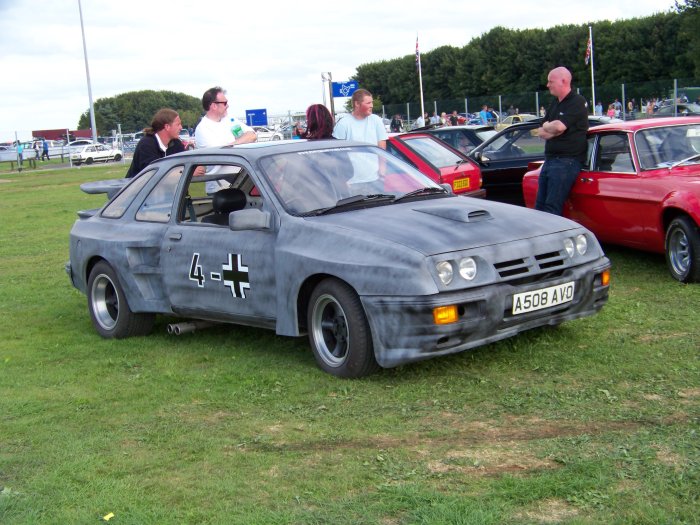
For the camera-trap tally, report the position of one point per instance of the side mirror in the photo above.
(250, 219)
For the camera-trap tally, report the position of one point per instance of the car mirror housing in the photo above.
(250, 219)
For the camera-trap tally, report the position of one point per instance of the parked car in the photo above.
(438, 161)
(640, 187)
(265, 134)
(504, 158)
(682, 110)
(514, 119)
(342, 241)
(95, 153)
(463, 138)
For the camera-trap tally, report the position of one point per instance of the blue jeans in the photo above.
(557, 176)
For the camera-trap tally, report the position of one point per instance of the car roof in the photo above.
(634, 125)
(256, 150)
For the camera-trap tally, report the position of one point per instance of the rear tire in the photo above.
(117, 157)
(683, 250)
(109, 310)
(339, 333)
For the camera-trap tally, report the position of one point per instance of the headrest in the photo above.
(228, 200)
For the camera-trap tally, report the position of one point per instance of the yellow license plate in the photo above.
(461, 184)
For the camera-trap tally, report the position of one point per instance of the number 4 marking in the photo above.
(196, 273)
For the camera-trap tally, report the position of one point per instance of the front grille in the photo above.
(522, 267)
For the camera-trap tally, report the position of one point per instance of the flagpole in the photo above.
(590, 41)
(420, 81)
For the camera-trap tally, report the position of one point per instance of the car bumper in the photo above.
(403, 329)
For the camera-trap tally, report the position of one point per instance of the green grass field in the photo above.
(595, 421)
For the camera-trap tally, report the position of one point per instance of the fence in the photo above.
(639, 93)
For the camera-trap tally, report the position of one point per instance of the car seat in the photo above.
(224, 202)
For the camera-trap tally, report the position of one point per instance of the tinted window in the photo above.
(614, 154)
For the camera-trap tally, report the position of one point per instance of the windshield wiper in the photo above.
(428, 190)
(692, 157)
(348, 202)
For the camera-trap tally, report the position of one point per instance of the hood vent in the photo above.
(457, 214)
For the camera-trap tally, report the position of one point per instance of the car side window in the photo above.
(198, 205)
(614, 154)
(118, 206)
(159, 203)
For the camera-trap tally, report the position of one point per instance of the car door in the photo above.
(213, 272)
(504, 160)
(605, 196)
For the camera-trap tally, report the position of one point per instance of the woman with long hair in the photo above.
(319, 123)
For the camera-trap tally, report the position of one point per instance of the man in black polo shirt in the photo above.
(564, 128)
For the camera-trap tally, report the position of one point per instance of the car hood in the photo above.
(447, 225)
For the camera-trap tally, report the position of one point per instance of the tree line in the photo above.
(135, 109)
(662, 46)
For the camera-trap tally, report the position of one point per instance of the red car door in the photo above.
(606, 195)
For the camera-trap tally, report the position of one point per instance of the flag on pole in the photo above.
(417, 54)
(589, 50)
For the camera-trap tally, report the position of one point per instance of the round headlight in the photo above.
(569, 247)
(581, 244)
(444, 269)
(467, 268)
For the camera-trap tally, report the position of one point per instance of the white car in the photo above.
(95, 153)
(264, 134)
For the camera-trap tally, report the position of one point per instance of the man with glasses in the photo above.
(218, 129)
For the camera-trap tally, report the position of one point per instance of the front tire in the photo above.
(339, 333)
(109, 310)
(89, 160)
(683, 250)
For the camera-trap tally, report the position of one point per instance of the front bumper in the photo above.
(403, 329)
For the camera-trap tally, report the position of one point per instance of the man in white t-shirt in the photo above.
(218, 129)
(361, 125)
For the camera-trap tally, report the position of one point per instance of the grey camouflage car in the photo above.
(338, 240)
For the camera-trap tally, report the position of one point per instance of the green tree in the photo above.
(134, 110)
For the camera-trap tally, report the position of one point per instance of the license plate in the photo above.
(461, 184)
(542, 298)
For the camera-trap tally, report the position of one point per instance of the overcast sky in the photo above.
(266, 54)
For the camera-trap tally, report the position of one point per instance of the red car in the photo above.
(437, 160)
(640, 187)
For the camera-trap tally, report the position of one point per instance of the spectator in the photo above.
(297, 130)
(319, 123)
(564, 130)
(361, 125)
(484, 114)
(396, 124)
(20, 152)
(598, 108)
(218, 129)
(542, 111)
(419, 123)
(454, 118)
(611, 111)
(159, 140)
(45, 149)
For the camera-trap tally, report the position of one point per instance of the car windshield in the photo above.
(313, 180)
(661, 147)
(432, 151)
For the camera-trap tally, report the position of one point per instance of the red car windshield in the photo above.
(663, 146)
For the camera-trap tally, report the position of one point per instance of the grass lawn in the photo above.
(595, 421)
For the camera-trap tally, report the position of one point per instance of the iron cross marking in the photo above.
(235, 275)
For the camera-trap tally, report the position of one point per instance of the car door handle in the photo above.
(175, 236)
(586, 179)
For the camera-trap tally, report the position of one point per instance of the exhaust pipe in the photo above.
(187, 327)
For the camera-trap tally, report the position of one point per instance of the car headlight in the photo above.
(569, 247)
(444, 269)
(467, 268)
(581, 244)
